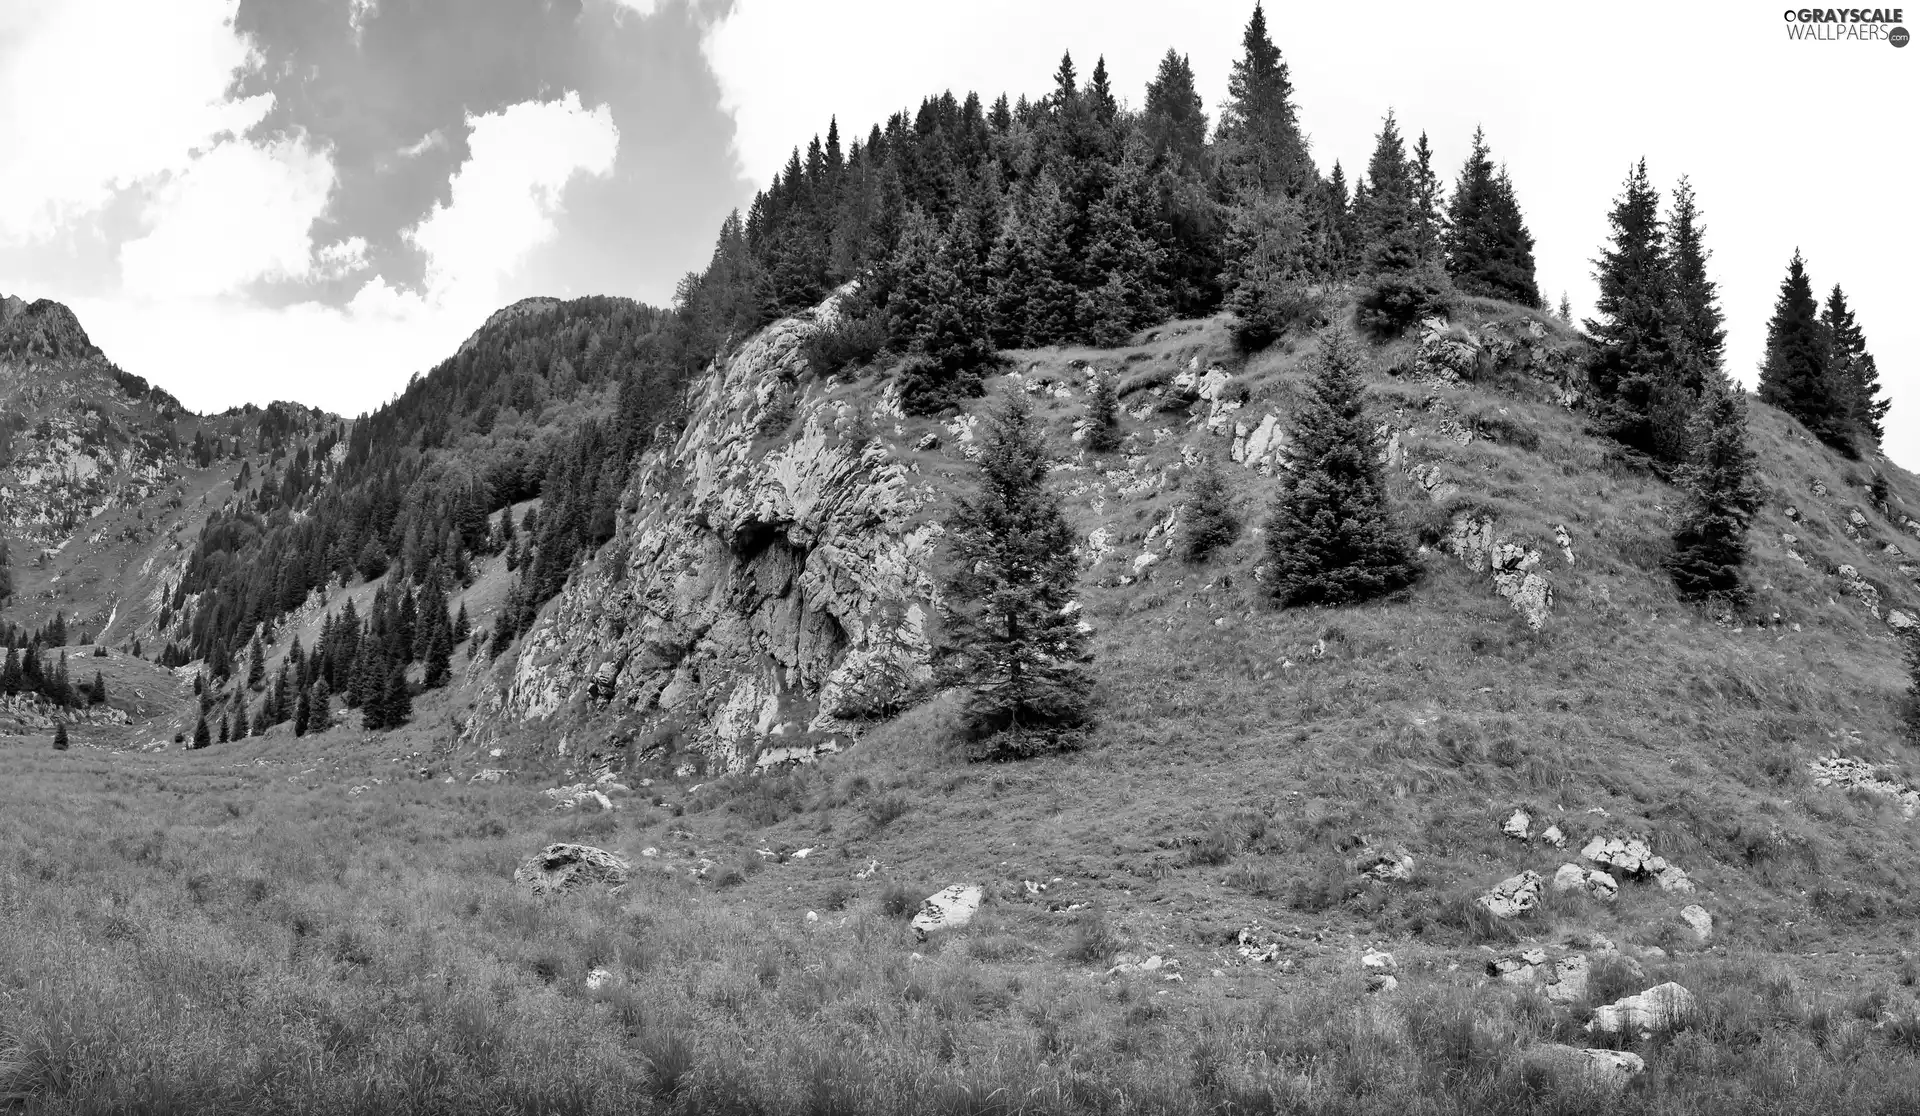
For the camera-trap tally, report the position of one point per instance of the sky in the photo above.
(316, 199)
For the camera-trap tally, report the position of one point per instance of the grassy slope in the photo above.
(239, 927)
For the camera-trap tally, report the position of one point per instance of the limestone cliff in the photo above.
(769, 582)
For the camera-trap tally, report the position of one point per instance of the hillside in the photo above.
(1268, 796)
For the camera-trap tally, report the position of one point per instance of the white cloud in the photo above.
(237, 214)
(506, 195)
(100, 94)
(424, 144)
(638, 7)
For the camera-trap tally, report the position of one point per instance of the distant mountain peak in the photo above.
(526, 307)
(42, 328)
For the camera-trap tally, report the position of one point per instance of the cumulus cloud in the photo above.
(84, 114)
(506, 195)
(242, 212)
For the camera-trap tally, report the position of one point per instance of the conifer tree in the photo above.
(1489, 250)
(256, 666)
(201, 737)
(1268, 279)
(462, 626)
(1402, 285)
(97, 694)
(1643, 401)
(60, 735)
(320, 708)
(1565, 312)
(936, 305)
(397, 706)
(1103, 406)
(439, 655)
(1722, 497)
(242, 727)
(1699, 330)
(1208, 520)
(302, 709)
(1014, 648)
(1262, 150)
(1122, 247)
(1331, 540)
(226, 730)
(1856, 378)
(1911, 642)
(1175, 121)
(1430, 218)
(1794, 376)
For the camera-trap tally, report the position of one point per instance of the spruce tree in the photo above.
(1642, 398)
(1855, 376)
(97, 694)
(201, 737)
(936, 304)
(1103, 406)
(1710, 545)
(1431, 221)
(1267, 279)
(439, 654)
(256, 666)
(1911, 642)
(226, 729)
(1489, 250)
(1260, 143)
(1014, 649)
(1403, 284)
(1331, 540)
(1794, 376)
(302, 709)
(1175, 120)
(1208, 520)
(462, 626)
(242, 727)
(1699, 329)
(320, 708)
(60, 735)
(397, 708)
(1123, 249)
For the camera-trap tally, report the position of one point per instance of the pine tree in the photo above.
(1403, 286)
(256, 666)
(1855, 376)
(936, 305)
(1430, 220)
(1722, 497)
(462, 626)
(1794, 376)
(242, 726)
(1912, 648)
(1331, 540)
(1103, 406)
(397, 708)
(201, 737)
(1260, 144)
(1642, 397)
(1489, 250)
(97, 693)
(1123, 248)
(60, 736)
(1565, 313)
(320, 708)
(1699, 329)
(226, 729)
(1015, 648)
(1208, 521)
(1175, 120)
(439, 654)
(302, 710)
(1269, 287)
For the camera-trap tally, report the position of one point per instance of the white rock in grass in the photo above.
(1514, 895)
(1519, 825)
(1659, 1008)
(1554, 837)
(1696, 916)
(947, 909)
(598, 979)
(1377, 961)
(560, 868)
(1610, 1069)
(1568, 981)
(1569, 877)
(1674, 878)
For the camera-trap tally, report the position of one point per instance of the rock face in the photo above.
(562, 868)
(756, 588)
(947, 909)
(1659, 1008)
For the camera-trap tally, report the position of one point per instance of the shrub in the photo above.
(1092, 942)
(852, 339)
(1208, 520)
(1400, 299)
(897, 900)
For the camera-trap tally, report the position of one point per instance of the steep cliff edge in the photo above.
(770, 579)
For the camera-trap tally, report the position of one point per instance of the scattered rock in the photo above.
(1514, 567)
(1572, 877)
(1568, 981)
(1396, 866)
(489, 775)
(1659, 1008)
(1382, 982)
(598, 979)
(1126, 965)
(947, 909)
(1519, 825)
(1554, 837)
(1521, 967)
(1696, 916)
(1610, 1069)
(1377, 961)
(561, 868)
(1848, 773)
(1633, 859)
(1514, 895)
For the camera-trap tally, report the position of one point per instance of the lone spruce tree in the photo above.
(1014, 649)
(1331, 540)
(201, 737)
(60, 736)
(1722, 498)
(1208, 520)
(1642, 395)
(1103, 406)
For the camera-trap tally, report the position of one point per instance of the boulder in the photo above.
(1674, 878)
(1610, 1069)
(1522, 967)
(1567, 982)
(598, 979)
(947, 909)
(1518, 825)
(1386, 866)
(1660, 1008)
(1552, 836)
(1382, 982)
(1572, 877)
(1696, 916)
(1377, 961)
(561, 868)
(1514, 895)
(1633, 859)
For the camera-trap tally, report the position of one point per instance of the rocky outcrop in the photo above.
(1513, 896)
(1515, 568)
(757, 591)
(561, 868)
(1633, 859)
(1848, 773)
